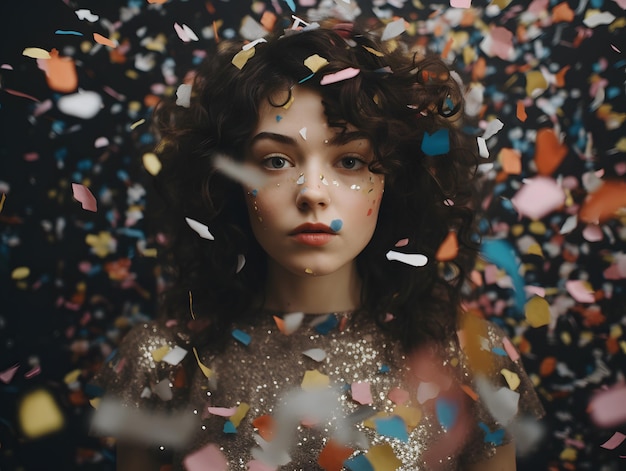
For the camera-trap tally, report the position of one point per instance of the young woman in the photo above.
(318, 189)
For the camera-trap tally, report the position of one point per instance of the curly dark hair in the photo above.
(396, 98)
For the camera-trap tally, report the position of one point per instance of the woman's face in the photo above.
(319, 204)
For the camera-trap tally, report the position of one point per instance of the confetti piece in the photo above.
(402, 243)
(393, 29)
(201, 229)
(512, 379)
(437, 143)
(159, 353)
(521, 112)
(303, 133)
(85, 104)
(185, 33)
(492, 129)
(562, 12)
(580, 291)
(241, 336)
(243, 173)
(313, 379)
(416, 260)
(83, 195)
(502, 403)
(615, 441)
(316, 354)
(36, 53)
(398, 396)
(382, 458)
(594, 18)
(290, 322)
(84, 14)
(137, 123)
(393, 427)
(315, 62)
(207, 458)
(494, 437)
(569, 225)
(607, 407)
(3, 198)
(499, 43)
(538, 197)
(205, 370)
(549, 151)
(241, 262)
(510, 349)
(410, 415)
(483, 151)
(537, 312)
(183, 95)
(427, 391)
(333, 455)
(449, 248)
(500, 253)
(7, 375)
(39, 414)
(222, 411)
(358, 463)
(240, 413)
(604, 203)
(60, 72)
(461, 3)
(103, 40)
(336, 225)
(592, 233)
(163, 389)
(229, 427)
(324, 324)
(20, 273)
(447, 412)
(175, 355)
(242, 57)
(344, 74)
(373, 51)
(151, 163)
(361, 392)
(511, 161)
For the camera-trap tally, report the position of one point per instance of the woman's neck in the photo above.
(337, 292)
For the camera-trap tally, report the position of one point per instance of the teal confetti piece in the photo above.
(255, 192)
(306, 78)
(291, 4)
(501, 253)
(393, 427)
(358, 463)
(327, 325)
(229, 427)
(241, 336)
(499, 351)
(336, 225)
(437, 143)
(278, 118)
(494, 437)
(74, 33)
(447, 412)
(383, 369)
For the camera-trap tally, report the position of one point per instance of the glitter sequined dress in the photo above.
(391, 414)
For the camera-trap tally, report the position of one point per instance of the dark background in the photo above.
(70, 311)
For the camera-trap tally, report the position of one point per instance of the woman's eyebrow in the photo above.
(281, 138)
(342, 138)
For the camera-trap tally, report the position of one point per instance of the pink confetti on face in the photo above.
(208, 458)
(608, 408)
(7, 375)
(510, 349)
(361, 392)
(344, 74)
(615, 441)
(578, 291)
(84, 197)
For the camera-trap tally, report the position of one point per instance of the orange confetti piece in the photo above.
(479, 70)
(447, 48)
(265, 425)
(511, 161)
(280, 324)
(560, 76)
(157, 2)
(549, 152)
(449, 248)
(562, 12)
(104, 41)
(547, 366)
(604, 203)
(469, 391)
(268, 20)
(333, 455)
(521, 111)
(60, 73)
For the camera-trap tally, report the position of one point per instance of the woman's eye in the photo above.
(352, 163)
(276, 163)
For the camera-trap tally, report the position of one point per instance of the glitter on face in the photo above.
(355, 187)
(300, 180)
(323, 179)
(308, 270)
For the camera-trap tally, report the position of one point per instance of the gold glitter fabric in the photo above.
(356, 399)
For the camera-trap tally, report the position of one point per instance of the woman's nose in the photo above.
(312, 192)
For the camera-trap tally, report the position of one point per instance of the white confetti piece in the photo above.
(85, 14)
(483, 151)
(595, 18)
(36, 53)
(175, 355)
(241, 262)
(492, 128)
(316, 354)
(183, 95)
(502, 403)
(303, 133)
(426, 391)
(292, 322)
(185, 33)
(201, 229)
(393, 29)
(569, 225)
(83, 105)
(414, 259)
(243, 173)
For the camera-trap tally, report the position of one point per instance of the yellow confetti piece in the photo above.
(39, 414)
(137, 123)
(151, 163)
(535, 249)
(95, 402)
(537, 227)
(242, 57)
(620, 145)
(512, 379)
(537, 312)
(315, 62)
(240, 413)
(382, 458)
(2, 200)
(308, 271)
(20, 273)
(622, 344)
(517, 230)
(410, 415)
(160, 352)
(568, 454)
(372, 51)
(289, 102)
(206, 371)
(566, 338)
(313, 379)
(36, 53)
(71, 377)
(371, 421)
(616, 331)
(151, 252)
(535, 83)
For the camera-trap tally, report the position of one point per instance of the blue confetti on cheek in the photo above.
(278, 118)
(436, 143)
(229, 427)
(447, 412)
(358, 463)
(336, 225)
(241, 336)
(255, 192)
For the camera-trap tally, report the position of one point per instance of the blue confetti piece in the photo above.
(393, 427)
(358, 463)
(498, 351)
(306, 78)
(254, 192)
(494, 437)
(241, 336)
(61, 31)
(437, 143)
(447, 412)
(229, 427)
(278, 118)
(122, 175)
(501, 253)
(91, 390)
(329, 324)
(291, 4)
(336, 225)
(383, 369)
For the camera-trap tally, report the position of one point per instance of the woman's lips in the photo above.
(315, 239)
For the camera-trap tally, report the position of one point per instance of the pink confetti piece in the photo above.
(402, 243)
(510, 349)
(185, 33)
(615, 49)
(7, 375)
(83, 195)
(344, 74)
(615, 441)
(20, 94)
(578, 291)
(361, 392)
(593, 233)
(222, 411)
(398, 396)
(460, 3)
(538, 197)
(256, 465)
(608, 408)
(32, 372)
